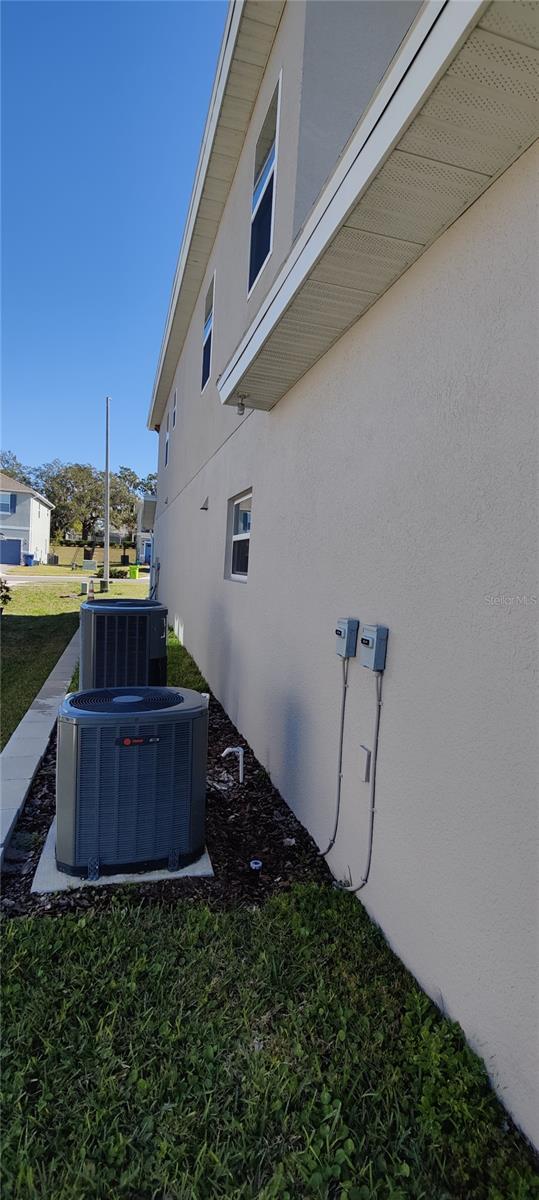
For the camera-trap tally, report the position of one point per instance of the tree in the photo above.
(123, 500)
(149, 484)
(77, 492)
(130, 478)
(10, 465)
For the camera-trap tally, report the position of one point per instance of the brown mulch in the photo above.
(243, 822)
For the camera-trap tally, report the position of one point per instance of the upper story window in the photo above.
(174, 410)
(263, 200)
(8, 502)
(167, 438)
(207, 334)
(240, 536)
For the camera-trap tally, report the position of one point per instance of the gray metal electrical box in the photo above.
(346, 637)
(373, 646)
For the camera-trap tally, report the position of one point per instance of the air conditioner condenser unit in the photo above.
(130, 780)
(123, 642)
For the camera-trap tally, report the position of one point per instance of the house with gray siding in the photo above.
(25, 522)
(345, 400)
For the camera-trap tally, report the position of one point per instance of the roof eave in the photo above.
(244, 85)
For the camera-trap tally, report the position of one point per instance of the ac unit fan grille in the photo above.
(135, 805)
(121, 649)
(106, 701)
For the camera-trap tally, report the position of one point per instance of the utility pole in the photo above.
(106, 540)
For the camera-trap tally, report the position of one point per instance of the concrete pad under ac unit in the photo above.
(49, 879)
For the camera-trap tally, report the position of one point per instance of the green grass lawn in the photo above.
(36, 627)
(276, 1053)
(182, 670)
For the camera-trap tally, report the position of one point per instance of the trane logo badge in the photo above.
(136, 741)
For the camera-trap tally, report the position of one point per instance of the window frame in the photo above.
(238, 537)
(209, 334)
(167, 440)
(11, 498)
(174, 409)
(272, 174)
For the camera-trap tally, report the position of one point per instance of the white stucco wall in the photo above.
(397, 483)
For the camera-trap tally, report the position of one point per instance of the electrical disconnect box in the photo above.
(373, 646)
(346, 634)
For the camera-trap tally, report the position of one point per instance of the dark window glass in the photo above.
(206, 359)
(261, 233)
(240, 556)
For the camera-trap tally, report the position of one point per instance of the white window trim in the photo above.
(204, 339)
(238, 537)
(272, 174)
(167, 439)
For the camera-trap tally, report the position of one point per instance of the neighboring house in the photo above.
(145, 522)
(25, 522)
(116, 535)
(345, 399)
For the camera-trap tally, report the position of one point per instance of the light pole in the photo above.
(106, 540)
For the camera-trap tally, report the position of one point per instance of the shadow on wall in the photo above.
(283, 743)
(286, 750)
(223, 669)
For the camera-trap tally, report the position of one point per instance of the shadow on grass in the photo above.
(31, 645)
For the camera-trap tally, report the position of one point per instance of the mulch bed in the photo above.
(243, 822)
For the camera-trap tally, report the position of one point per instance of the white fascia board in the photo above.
(228, 44)
(433, 41)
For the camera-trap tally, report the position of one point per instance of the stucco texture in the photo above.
(397, 483)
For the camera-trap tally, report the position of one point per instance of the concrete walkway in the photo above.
(24, 580)
(23, 753)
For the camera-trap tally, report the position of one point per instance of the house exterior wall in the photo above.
(40, 524)
(346, 53)
(396, 483)
(201, 422)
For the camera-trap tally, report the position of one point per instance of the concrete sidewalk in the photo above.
(24, 580)
(23, 753)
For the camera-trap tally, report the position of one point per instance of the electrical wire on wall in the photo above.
(331, 843)
(155, 585)
(372, 800)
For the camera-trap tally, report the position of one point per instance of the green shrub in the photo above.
(5, 592)
(114, 572)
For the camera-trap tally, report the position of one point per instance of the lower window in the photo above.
(239, 524)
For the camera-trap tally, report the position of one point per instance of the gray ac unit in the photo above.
(130, 780)
(123, 642)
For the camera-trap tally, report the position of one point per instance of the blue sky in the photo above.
(103, 110)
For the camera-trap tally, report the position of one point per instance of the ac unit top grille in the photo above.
(135, 605)
(119, 700)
